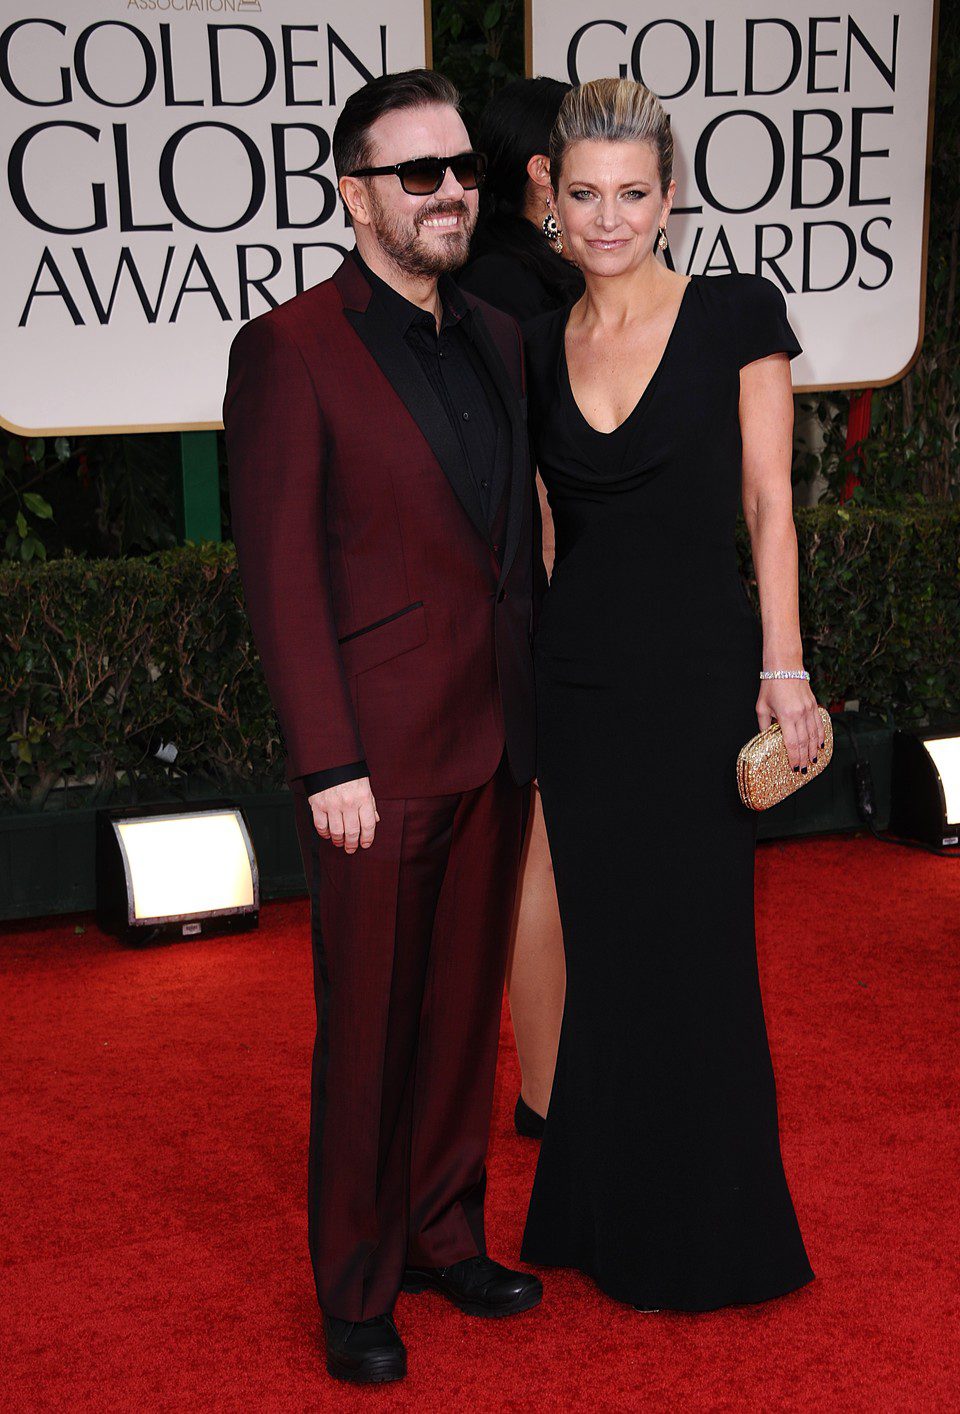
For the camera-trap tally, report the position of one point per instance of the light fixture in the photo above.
(175, 870)
(925, 786)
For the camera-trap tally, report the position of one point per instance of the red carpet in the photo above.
(154, 1133)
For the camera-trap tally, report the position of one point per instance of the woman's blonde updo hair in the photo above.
(612, 110)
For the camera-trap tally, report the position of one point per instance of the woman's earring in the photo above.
(551, 229)
(662, 241)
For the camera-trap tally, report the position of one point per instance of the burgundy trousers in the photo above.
(409, 946)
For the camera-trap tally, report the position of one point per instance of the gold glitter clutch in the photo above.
(764, 773)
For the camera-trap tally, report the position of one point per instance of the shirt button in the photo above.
(466, 417)
(484, 484)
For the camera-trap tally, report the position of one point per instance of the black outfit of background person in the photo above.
(474, 409)
(512, 264)
(660, 1172)
(513, 267)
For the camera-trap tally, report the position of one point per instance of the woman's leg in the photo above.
(536, 975)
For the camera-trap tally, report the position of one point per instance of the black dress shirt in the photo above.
(458, 376)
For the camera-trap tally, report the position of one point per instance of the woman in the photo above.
(514, 266)
(656, 399)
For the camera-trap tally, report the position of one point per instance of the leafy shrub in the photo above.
(90, 495)
(478, 45)
(880, 607)
(103, 661)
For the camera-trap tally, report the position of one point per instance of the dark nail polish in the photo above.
(796, 768)
(814, 760)
(803, 770)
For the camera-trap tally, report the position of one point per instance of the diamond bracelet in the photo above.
(787, 673)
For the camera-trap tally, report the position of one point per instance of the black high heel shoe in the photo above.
(526, 1121)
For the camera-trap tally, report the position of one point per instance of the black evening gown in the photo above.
(660, 1172)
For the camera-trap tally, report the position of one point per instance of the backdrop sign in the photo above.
(168, 175)
(802, 153)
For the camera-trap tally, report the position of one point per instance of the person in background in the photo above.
(514, 265)
(513, 262)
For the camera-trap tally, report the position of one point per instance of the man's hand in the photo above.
(346, 814)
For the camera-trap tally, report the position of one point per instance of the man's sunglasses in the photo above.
(421, 176)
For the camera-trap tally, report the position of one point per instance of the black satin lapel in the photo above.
(520, 478)
(399, 365)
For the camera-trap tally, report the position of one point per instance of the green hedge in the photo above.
(880, 608)
(101, 661)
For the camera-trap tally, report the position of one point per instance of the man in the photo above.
(382, 506)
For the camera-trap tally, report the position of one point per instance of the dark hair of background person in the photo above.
(514, 126)
(413, 88)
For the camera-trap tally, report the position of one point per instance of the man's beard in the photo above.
(414, 255)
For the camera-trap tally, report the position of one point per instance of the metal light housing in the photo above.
(176, 870)
(925, 787)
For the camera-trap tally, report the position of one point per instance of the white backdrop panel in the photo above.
(801, 153)
(162, 157)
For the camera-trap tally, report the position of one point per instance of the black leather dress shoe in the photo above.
(364, 1352)
(479, 1286)
(526, 1121)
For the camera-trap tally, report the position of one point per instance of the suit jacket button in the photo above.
(501, 596)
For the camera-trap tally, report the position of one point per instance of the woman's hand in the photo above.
(794, 706)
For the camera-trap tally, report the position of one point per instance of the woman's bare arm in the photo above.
(766, 424)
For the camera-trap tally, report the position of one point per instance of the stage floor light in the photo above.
(176, 871)
(925, 787)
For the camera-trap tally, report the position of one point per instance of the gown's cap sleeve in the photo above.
(761, 322)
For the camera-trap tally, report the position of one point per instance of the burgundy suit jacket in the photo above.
(392, 625)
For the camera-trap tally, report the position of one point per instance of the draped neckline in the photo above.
(643, 399)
